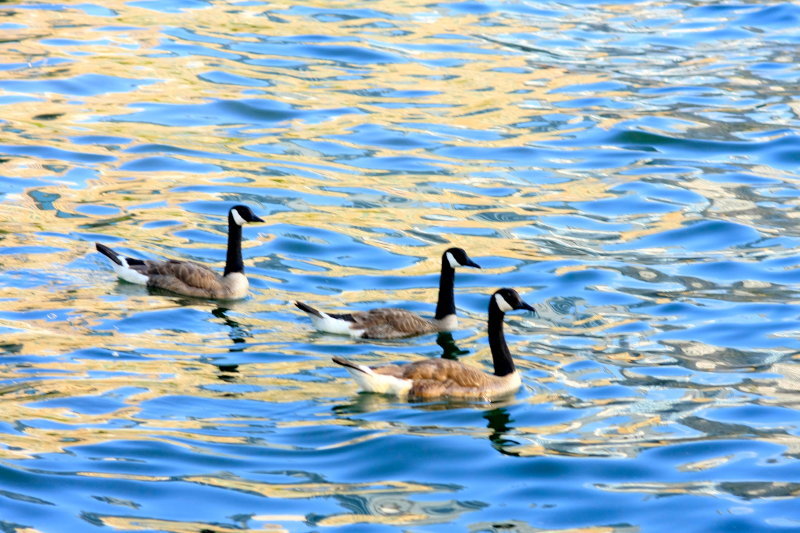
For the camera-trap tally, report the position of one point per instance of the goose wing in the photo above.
(391, 323)
(436, 378)
(183, 277)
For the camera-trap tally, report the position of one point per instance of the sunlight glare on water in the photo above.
(630, 168)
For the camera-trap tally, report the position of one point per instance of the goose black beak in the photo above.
(256, 219)
(526, 306)
(471, 263)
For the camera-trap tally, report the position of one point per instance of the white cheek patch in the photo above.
(452, 260)
(237, 217)
(503, 304)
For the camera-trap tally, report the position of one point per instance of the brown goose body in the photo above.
(381, 323)
(395, 323)
(440, 378)
(437, 378)
(392, 323)
(189, 278)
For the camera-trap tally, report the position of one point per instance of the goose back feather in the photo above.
(381, 323)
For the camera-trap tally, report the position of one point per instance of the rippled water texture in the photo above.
(630, 168)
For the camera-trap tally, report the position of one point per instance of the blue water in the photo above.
(630, 168)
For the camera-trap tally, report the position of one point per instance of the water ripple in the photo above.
(631, 169)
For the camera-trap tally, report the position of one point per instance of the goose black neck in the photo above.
(446, 304)
(503, 363)
(233, 261)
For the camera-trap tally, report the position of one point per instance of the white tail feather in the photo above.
(128, 274)
(370, 381)
(338, 326)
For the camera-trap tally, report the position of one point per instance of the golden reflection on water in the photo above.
(461, 104)
(125, 523)
(79, 294)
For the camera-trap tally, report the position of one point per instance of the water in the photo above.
(630, 168)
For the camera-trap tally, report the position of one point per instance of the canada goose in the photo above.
(186, 277)
(394, 323)
(434, 378)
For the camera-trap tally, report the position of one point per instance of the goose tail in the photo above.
(121, 265)
(338, 324)
(370, 381)
(108, 252)
(308, 309)
(352, 366)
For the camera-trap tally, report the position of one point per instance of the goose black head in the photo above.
(457, 257)
(241, 214)
(509, 300)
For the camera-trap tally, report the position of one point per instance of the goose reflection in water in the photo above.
(499, 421)
(450, 349)
(238, 333)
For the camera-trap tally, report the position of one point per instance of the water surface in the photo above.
(629, 167)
